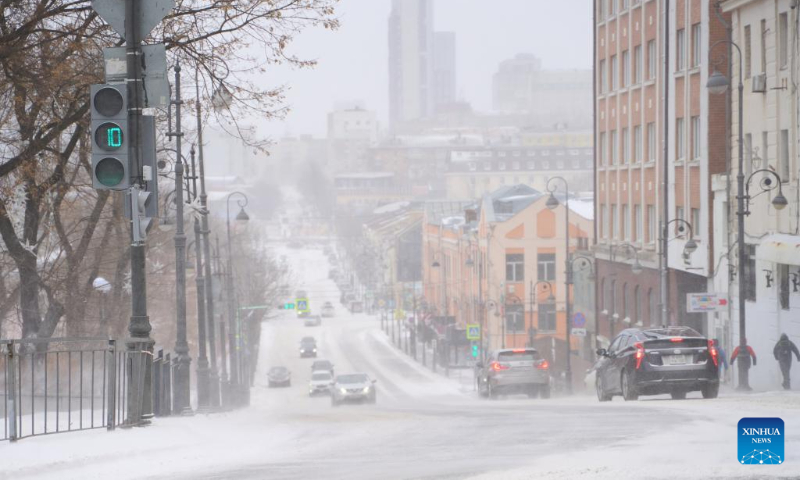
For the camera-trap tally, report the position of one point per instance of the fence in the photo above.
(69, 384)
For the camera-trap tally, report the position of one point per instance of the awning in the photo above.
(780, 248)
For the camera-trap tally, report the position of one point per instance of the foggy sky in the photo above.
(353, 63)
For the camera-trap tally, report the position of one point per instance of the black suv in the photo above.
(673, 360)
(308, 347)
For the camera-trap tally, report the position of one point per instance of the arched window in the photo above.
(603, 301)
(637, 311)
(624, 300)
(613, 298)
(651, 300)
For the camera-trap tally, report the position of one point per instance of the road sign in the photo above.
(302, 305)
(578, 332)
(149, 13)
(579, 320)
(473, 332)
(705, 302)
(154, 72)
(399, 314)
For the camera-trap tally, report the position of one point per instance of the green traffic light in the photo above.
(109, 136)
(115, 137)
(474, 350)
(109, 172)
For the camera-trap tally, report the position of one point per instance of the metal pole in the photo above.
(203, 379)
(744, 354)
(214, 378)
(139, 402)
(183, 360)
(665, 193)
(233, 379)
(568, 306)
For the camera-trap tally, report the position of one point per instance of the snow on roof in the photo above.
(583, 208)
(391, 207)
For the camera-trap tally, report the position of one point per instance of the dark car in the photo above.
(514, 370)
(308, 347)
(279, 377)
(655, 361)
(322, 366)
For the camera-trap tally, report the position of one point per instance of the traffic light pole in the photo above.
(139, 344)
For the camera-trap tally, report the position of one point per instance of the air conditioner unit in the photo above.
(760, 83)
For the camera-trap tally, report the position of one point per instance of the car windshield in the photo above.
(671, 332)
(320, 376)
(518, 356)
(308, 340)
(278, 370)
(352, 378)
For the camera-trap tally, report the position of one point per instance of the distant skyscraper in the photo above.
(411, 46)
(444, 69)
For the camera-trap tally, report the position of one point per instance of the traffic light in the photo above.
(141, 222)
(110, 163)
(286, 306)
(475, 351)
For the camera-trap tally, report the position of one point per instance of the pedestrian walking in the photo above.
(752, 354)
(783, 354)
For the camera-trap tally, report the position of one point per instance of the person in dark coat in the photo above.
(783, 354)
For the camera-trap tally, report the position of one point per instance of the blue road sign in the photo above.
(473, 332)
(579, 320)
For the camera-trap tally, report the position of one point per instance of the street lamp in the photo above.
(550, 300)
(718, 84)
(552, 203)
(233, 326)
(636, 267)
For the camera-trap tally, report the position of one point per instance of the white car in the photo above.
(327, 310)
(320, 383)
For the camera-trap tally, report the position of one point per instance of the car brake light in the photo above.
(712, 349)
(518, 350)
(639, 354)
(497, 366)
(676, 339)
(543, 365)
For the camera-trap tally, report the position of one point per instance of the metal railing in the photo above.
(68, 384)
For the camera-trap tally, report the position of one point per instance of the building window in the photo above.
(680, 142)
(612, 73)
(696, 51)
(748, 275)
(625, 146)
(637, 144)
(601, 148)
(613, 150)
(612, 298)
(637, 310)
(763, 45)
(546, 266)
(652, 57)
(651, 300)
(515, 267)
(626, 226)
(695, 223)
(601, 12)
(626, 69)
(651, 223)
(602, 76)
(547, 317)
(747, 56)
(651, 142)
(637, 64)
(695, 137)
(680, 50)
(624, 300)
(783, 168)
(783, 39)
(637, 222)
(612, 7)
(614, 224)
(623, 5)
(603, 221)
(764, 149)
(515, 318)
(783, 281)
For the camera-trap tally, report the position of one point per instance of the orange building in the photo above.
(500, 264)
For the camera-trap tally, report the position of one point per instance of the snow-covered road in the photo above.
(424, 426)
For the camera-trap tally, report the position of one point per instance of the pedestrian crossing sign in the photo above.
(473, 332)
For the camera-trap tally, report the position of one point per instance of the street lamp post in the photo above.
(233, 328)
(718, 84)
(181, 383)
(550, 299)
(636, 269)
(552, 203)
(689, 248)
(436, 264)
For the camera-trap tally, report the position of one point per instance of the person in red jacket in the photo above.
(749, 350)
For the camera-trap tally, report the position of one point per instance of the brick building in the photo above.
(632, 122)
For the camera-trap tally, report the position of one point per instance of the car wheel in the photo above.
(544, 391)
(628, 390)
(711, 390)
(482, 392)
(601, 392)
(533, 391)
(270, 385)
(492, 391)
(678, 395)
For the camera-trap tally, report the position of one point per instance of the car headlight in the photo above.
(343, 390)
(366, 389)
(315, 350)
